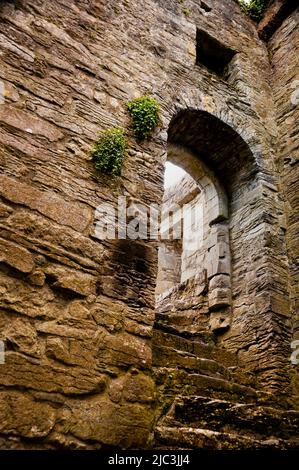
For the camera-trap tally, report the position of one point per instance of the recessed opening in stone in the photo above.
(181, 228)
(205, 7)
(193, 278)
(209, 167)
(212, 54)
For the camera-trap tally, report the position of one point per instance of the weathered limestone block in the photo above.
(70, 280)
(217, 210)
(5, 210)
(57, 240)
(66, 327)
(219, 264)
(20, 371)
(219, 298)
(115, 316)
(109, 314)
(16, 256)
(136, 328)
(56, 349)
(108, 423)
(134, 387)
(22, 298)
(22, 416)
(220, 320)
(124, 350)
(219, 258)
(29, 123)
(219, 234)
(23, 336)
(221, 281)
(272, 301)
(80, 310)
(37, 278)
(77, 216)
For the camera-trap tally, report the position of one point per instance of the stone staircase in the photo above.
(206, 401)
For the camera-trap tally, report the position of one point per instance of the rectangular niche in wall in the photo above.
(212, 54)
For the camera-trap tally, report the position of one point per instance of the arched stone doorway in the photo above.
(200, 253)
(244, 223)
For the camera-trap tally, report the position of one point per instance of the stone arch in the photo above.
(223, 166)
(242, 166)
(214, 106)
(219, 146)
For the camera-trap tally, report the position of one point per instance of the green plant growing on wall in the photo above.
(144, 112)
(108, 151)
(186, 11)
(255, 9)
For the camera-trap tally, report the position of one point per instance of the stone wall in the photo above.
(284, 49)
(77, 313)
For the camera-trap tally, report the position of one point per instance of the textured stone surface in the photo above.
(16, 256)
(77, 313)
(284, 48)
(206, 407)
(22, 416)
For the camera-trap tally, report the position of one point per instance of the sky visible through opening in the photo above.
(173, 174)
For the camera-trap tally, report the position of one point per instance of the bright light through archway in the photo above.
(173, 174)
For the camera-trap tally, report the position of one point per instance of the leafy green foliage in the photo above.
(186, 11)
(108, 151)
(255, 9)
(144, 112)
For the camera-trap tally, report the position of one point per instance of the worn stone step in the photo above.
(164, 356)
(171, 382)
(183, 438)
(224, 416)
(195, 346)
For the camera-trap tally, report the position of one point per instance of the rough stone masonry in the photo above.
(89, 363)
